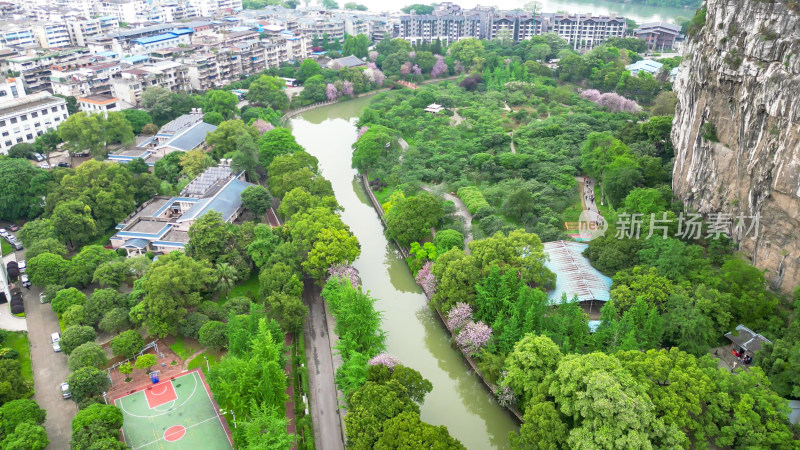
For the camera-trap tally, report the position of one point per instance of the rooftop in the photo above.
(574, 274)
(746, 338)
(98, 99)
(647, 65)
(347, 61)
(665, 25)
(28, 102)
(190, 138)
(180, 123)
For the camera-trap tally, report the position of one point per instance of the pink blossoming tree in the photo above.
(385, 359)
(427, 280)
(373, 56)
(473, 337)
(415, 70)
(331, 92)
(459, 315)
(347, 88)
(439, 67)
(345, 272)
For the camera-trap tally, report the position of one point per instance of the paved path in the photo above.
(513, 150)
(328, 430)
(49, 369)
(461, 211)
(587, 194)
(9, 322)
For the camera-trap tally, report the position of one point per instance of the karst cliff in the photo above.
(737, 128)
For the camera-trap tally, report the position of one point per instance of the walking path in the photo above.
(587, 194)
(325, 412)
(461, 211)
(513, 150)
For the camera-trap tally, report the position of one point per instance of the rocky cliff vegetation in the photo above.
(737, 126)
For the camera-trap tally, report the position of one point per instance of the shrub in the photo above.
(709, 132)
(472, 198)
(191, 324)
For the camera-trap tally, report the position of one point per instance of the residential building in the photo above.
(23, 119)
(95, 104)
(659, 36)
(11, 88)
(321, 27)
(174, 38)
(645, 65)
(516, 26)
(35, 68)
(129, 11)
(95, 79)
(82, 30)
(162, 223)
(14, 35)
(447, 28)
(52, 35)
(584, 32)
(168, 74)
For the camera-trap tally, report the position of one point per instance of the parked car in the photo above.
(13, 227)
(9, 237)
(22, 265)
(65, 393)
(39, 157)
(44, 165)
(25, 281)
(4, 233)
(17, 245)
(82, 154)
(64, 164)
(42, 298)
(55, 337)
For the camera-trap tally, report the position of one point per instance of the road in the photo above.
(49, 369)
(328, 432)
(461, 211)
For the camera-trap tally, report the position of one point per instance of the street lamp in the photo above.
(208, 368)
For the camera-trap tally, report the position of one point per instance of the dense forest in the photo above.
(512, 138)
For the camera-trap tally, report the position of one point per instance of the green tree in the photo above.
(23, 198)
(221, 102)
(74, 336)
(138, 166)
(331, 247)
(418, 8)
(469, 52)
(213, 117)
(406, 430)
(224, 138)
(256, 199)
(23, 150)
(85, 355)
(46, 269)
(268, 91)
(194, 162)
(213, 335)
(173, 284)
(26, 436)
(145, 362)
(276, 142)
(373, 146)
(288, 310)
(83, 265)
(371, 407)
(226, 277)
(137, 118)
(19, 411)
(208, 237)
(314, 89)
(527, 366)
(47, 143)
(245, 158)
(598, 152)
(82, 131)
(411, 219)
(66, 298)
(117, 129)
(115, 320)
(87, 382)
(127, 344)
(447, 239)
(73, 223)
(308, 68)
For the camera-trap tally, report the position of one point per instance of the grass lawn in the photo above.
(247, 288)
(6, 247)
(384, 195)
(19, 342)
(181, 349)
(200, 362)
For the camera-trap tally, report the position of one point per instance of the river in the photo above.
(636, 12)
(458, 400)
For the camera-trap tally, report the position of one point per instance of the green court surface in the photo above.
(173, 414)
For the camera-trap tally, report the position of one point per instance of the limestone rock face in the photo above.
(741, 76)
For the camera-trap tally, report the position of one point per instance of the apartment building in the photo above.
(95, 79)
(515, 25)
(131, 83)
(23, 119)
(52, 35)
(36, 68)
(319, 27)
(99, 104)
(81, 31)
(447, 28)
(11, 88)
(659, 35)
(213, 8)
(203, 71)
(584, 32)
(16, 35)
(177, 11)
(129, 11)
(174, 38)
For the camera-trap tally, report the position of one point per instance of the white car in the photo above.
(42, 298)
(44, 165)
(55, 337)
(22, 265)
(25, 281)
(65, 393)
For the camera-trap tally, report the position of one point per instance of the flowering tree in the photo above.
(412, 54)
(347, 88)
(374, 74)
(345, 272)
(373, 55)
(415, 70)
(610, 100)
(473, 337)
(439, 67)
(331, 92)
(593, 95)
(384, 359)
(458, 67)
(405, 69)
(427, 280)
(335, 65)
(361, 131)
(459, 315)
(505, 396)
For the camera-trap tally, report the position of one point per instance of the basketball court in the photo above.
(174, 414)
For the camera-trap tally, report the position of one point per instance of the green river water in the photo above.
(459, 400)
